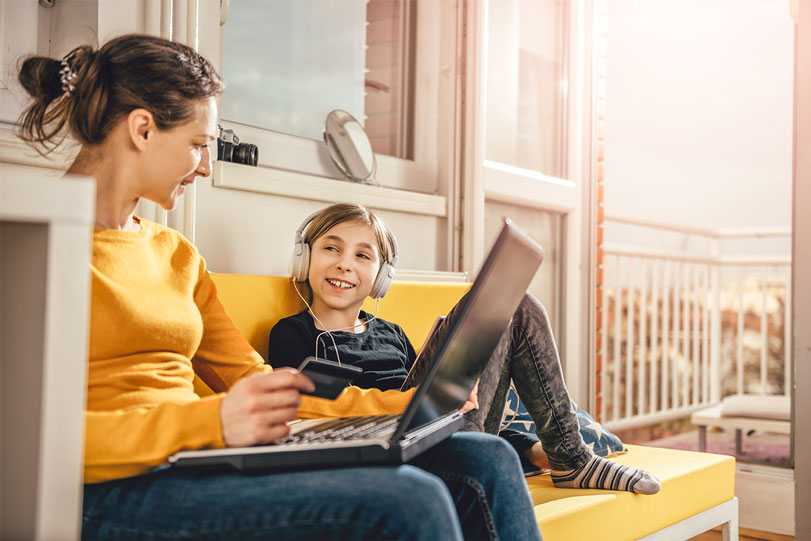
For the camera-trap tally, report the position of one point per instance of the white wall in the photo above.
(250, 233)
(699, 112)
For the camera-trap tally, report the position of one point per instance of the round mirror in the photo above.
(349, 146)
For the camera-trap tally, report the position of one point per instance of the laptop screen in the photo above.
(484, 315)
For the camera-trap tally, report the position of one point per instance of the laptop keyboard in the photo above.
(352, 428)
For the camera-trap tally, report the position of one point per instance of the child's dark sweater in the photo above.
(383, 351)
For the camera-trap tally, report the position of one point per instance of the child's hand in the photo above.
(472, 402)
(257, 409)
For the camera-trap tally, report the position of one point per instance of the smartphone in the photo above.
(330, 378)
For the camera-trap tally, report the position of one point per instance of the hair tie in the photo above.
(67, 76)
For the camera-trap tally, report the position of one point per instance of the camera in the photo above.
(229, 148)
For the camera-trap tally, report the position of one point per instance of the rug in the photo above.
(773, 454)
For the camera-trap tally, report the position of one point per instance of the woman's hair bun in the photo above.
(40, 77)
(45, 117)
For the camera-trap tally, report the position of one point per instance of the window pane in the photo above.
(288, 63)
(526, 85)
(389, 79)
(544, 228)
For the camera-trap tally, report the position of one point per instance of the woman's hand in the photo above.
(256, 410)
(473, 400)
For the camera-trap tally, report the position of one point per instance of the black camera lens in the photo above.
(245, 153)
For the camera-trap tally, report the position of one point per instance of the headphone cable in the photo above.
(330, 331)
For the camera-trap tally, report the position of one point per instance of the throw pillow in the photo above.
(597, 437)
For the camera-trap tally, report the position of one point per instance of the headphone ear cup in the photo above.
(300, 263)
(382, 281)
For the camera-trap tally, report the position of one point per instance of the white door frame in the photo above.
(801, 263)
(484, 180)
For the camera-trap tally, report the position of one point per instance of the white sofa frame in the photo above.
(724, 515)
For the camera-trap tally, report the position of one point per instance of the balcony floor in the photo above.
(757, 448)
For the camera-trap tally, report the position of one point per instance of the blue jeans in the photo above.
(469, 486)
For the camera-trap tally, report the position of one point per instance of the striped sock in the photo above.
(605, 474)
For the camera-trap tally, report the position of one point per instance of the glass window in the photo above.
(526, 85)
(390, 56)
(288, 63)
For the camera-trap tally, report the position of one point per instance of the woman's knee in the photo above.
(503, 456)
(422, 502)
(417, 488)
(484, 455)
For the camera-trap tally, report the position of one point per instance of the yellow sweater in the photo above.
(155, 321)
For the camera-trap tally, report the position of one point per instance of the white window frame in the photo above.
(569, 197)
(283, 152)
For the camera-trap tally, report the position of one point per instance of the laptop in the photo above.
(433, 412)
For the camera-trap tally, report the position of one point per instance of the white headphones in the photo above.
(300, 262)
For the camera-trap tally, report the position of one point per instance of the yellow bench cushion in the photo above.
(256, 303)
(691, 483)
(415, 306)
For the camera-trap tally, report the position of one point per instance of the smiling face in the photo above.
(176, 156)
(343, 266)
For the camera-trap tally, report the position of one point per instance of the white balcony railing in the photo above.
(683, 329)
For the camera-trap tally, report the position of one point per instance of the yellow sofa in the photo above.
(697, 488)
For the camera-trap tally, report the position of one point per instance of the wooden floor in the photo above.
(745, 534)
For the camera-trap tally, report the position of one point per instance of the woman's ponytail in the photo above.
(45, 117)
(90, 90)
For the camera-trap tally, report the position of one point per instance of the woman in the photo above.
(143, 110)
(347, 247)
